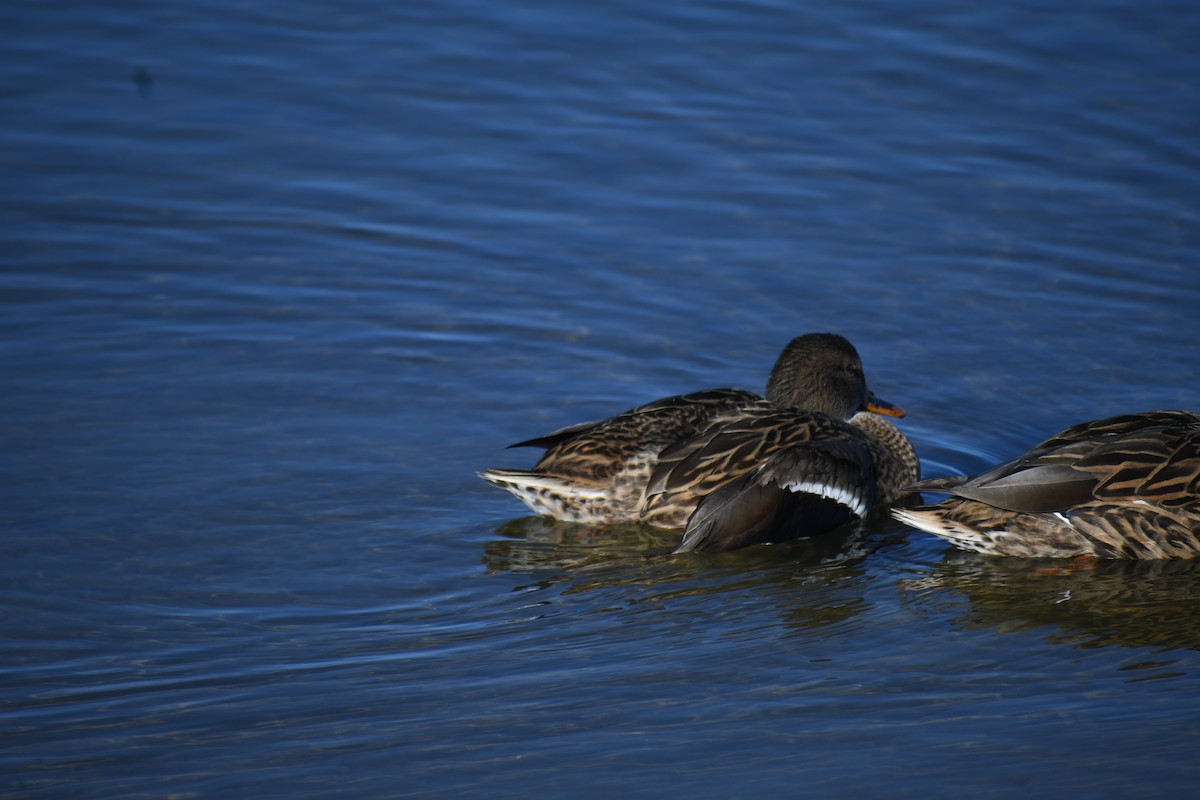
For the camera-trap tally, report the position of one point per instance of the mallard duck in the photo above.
(1122, 487)
(728, 466)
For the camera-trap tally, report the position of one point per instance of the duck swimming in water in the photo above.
(727, 466)
(1123, 487)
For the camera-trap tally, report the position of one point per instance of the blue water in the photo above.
(278, 279)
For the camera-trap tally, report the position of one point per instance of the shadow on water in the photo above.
(1090, 604)
(532, 543)
(540, 543)
(815, 582)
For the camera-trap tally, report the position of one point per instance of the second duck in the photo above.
(727, 466)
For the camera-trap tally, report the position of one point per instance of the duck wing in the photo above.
(1153, 456)
(1157, 461)
(804, 489)
(590, 449)
(697, 465)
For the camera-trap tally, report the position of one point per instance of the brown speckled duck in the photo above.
(727, 466)
(1122, 487)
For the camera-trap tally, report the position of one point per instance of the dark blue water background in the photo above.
(279, 278)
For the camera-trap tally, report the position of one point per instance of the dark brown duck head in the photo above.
(822, 372)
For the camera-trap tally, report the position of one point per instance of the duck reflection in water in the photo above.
(1085, 603)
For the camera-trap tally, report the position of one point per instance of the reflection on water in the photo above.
(813, 582)
(1087, 603)
(542, 543)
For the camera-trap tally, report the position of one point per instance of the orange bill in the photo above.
(883, 407)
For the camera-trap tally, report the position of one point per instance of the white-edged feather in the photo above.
(838, 494)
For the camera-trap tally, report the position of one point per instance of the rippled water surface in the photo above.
(278, 279)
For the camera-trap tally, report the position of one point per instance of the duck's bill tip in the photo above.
(877, 406)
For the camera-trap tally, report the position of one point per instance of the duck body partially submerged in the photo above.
(727, 466)
(1122, 487)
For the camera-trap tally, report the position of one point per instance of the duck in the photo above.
(729, 467)
(1123, 487)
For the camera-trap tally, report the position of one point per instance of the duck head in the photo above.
(822, 372)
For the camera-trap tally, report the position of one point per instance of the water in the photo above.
(278, 280)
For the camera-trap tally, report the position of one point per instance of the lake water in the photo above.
(278, 279)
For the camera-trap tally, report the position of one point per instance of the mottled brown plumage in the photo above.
(728, 466)
(1122, 487)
